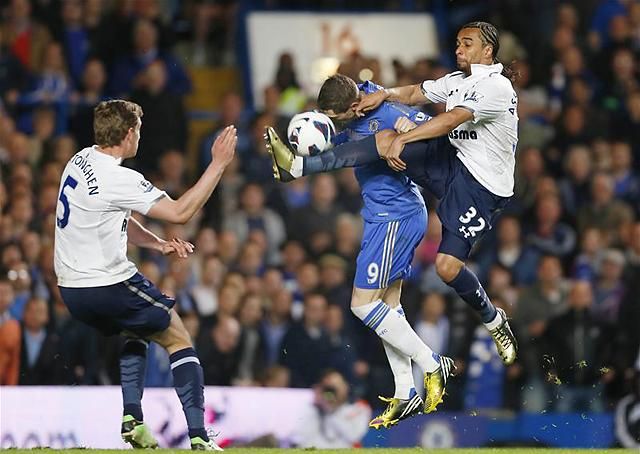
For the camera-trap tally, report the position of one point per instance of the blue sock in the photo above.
(133, 363)
(468, 287)
(348, 154)
(188, 381)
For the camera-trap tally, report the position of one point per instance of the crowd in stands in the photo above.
(266, 294)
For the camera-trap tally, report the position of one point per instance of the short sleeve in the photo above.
(129, 190)
(436, 90)
(487, 100)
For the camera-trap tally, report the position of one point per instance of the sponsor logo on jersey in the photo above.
(145, 185)
(463, 134)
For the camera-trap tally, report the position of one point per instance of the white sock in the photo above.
(393, 328)
(400, 366)
(497, 321)
(296, 167)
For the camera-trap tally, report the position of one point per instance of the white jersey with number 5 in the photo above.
(95, 201)
(486, 144)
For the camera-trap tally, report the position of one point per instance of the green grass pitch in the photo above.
(354, 451)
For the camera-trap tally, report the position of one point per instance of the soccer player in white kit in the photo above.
(465, 157)
(102, 288)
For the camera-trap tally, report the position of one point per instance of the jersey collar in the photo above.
(477, 69)
(100, 155)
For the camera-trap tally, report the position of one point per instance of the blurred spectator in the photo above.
(163, 114)
(25, 38)
(625, 179)
(12, 74)
(9, 337)
(205, 293)
(74, 38)
(90, 93)
(276, 324)
(231, 113)
(333, 281)
(529, 169)
(251, 347)
(39, 364)
(536, 306)
(332, 422)
(254, 216)
(574, 187)
(577, 344)
(626, 125)
(511, 253)
(218, 352)
(551, 237)
(50, 86)
(128, 71)
(604, 212)
(78, 347)
(587, 263)
(314, 224)
(305, 347)
(609, 289)
(342, 349)
(256, 162)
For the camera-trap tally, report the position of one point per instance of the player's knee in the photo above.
(384, 138)
(447, 267)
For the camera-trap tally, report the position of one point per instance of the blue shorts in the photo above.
(135, 305)
(467, 209)
(387, 250)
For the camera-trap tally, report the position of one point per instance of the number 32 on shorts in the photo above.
(471, 224)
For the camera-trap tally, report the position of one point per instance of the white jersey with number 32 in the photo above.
(95, 201)
(487, 143)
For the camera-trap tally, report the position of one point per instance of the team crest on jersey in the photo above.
(145, 185)
(473, 96)
(374, 125)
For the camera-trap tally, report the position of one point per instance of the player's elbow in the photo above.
(182, 217)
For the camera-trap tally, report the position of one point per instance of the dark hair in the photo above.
(337, 93)
(491, 37)
(112, 121)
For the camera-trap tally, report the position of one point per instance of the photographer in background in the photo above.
(332, 421)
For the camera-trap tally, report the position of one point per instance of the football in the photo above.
(310, 133)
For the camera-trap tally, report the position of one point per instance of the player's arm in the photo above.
(439, 125)
(409, 94)
(142, 237)
(182, 210)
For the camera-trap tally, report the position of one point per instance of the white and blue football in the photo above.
(310, 133)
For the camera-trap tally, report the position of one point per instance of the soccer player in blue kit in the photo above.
(395, 221)
(465, 157)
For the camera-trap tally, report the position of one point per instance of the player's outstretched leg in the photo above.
(287, 166)
(133, 364)
(466, 284)
(188, 380)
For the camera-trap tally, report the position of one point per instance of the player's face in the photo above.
(469, 50)
(342, 117)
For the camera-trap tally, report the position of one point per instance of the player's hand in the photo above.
(370, 102)
(224, 147)
(392, 155)
(403, 124)
(177, 246)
